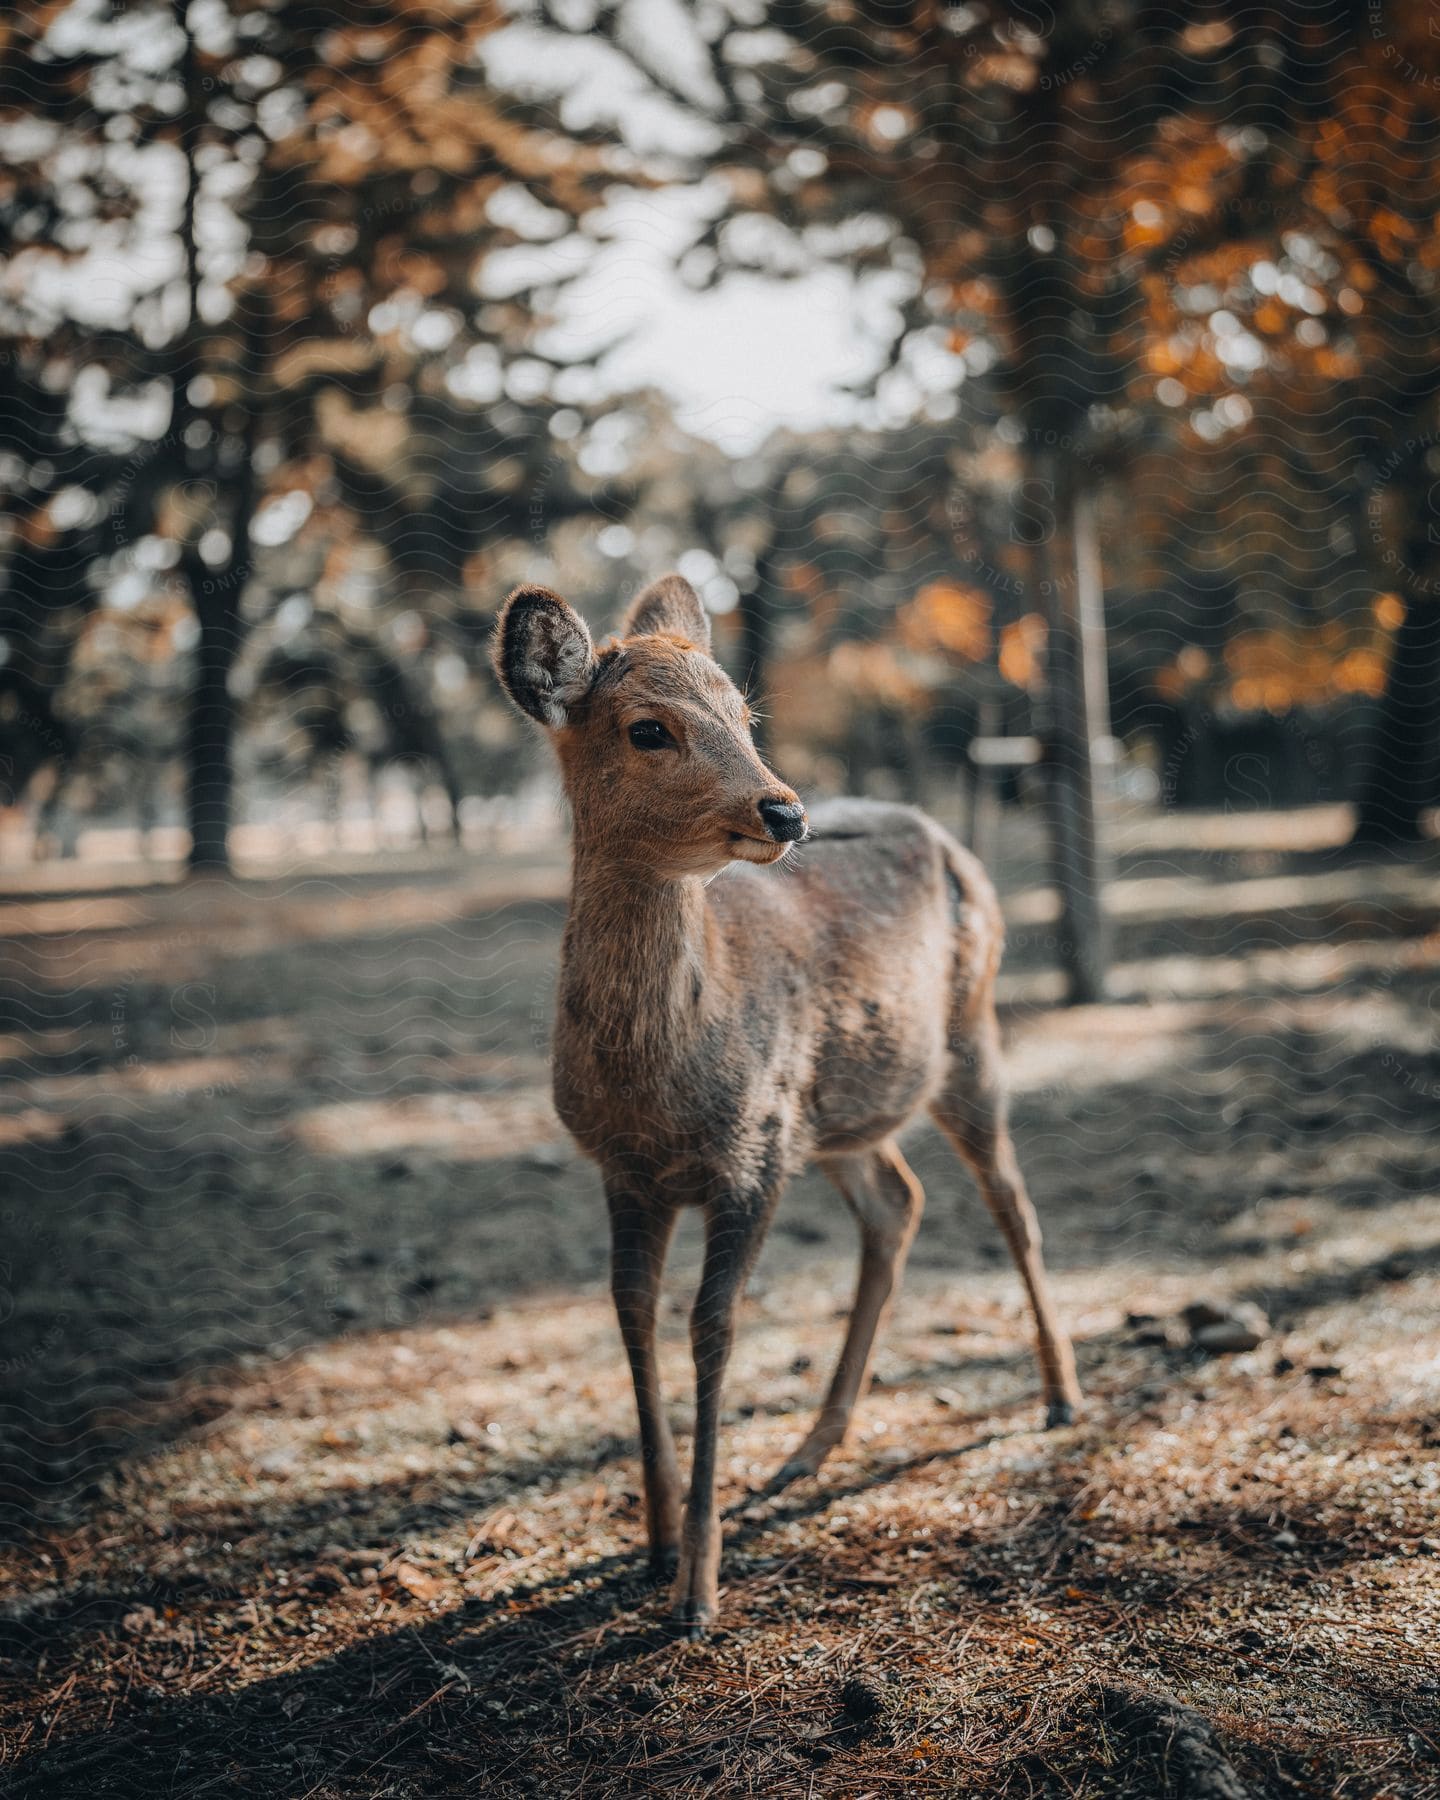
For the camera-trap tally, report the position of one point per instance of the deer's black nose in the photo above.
(784, 820)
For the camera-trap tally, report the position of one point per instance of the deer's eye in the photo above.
(650, 734)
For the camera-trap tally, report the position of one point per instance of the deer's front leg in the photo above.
(733, 1230)
(640, 1231)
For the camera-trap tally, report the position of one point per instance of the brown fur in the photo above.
(722, 1022)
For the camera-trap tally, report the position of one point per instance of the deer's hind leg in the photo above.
(887, 1200)
(971, 1110)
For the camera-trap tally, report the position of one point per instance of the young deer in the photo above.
(713, 1037)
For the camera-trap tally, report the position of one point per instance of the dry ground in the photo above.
(318, 1458)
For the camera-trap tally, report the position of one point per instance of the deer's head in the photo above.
(653, 737)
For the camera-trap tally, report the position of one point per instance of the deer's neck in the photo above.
(641, 961)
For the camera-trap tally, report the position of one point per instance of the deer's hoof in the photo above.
(1059, 1412)
(797, 1469)
(692, 1618)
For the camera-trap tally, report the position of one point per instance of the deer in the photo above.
(745, 988)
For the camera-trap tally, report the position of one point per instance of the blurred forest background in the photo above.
(318, 333)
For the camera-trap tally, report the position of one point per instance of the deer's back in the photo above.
(867, 880)
(861, 954)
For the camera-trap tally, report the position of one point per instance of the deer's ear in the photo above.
(669, 604)
(543, 655)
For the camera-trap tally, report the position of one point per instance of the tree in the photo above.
(240, 257)
(1134, 230)
(967, 149)
(1291, 324)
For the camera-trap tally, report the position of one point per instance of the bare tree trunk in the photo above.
(755, 642)
(983, 786)
(210, 733)
(215, 586)
(1403, 776)
(207, 738)
(216, 593)
(1090, 613)
(1075, 673)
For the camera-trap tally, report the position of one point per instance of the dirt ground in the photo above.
(316, 1444)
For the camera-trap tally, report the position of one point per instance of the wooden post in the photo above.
(1076, 679)
(1090, 614)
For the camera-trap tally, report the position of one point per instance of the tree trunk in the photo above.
(216, 594)
(213, 597)
(1090, 616)
(755, 642)
(1075, 674)
(211, 732)
(982, 825)
(1402, 778)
